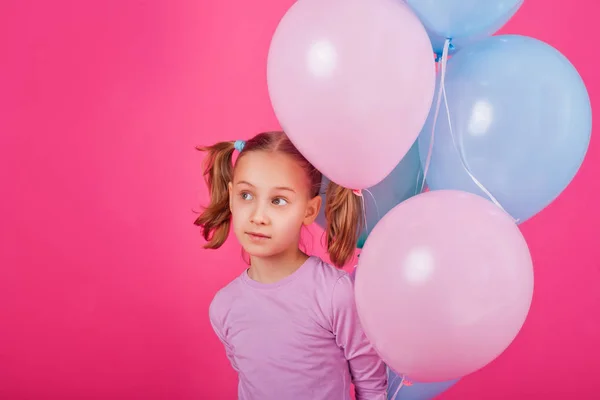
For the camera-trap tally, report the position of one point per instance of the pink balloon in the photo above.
(444, 284)
(351, 82)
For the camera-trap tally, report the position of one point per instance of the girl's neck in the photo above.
(275, 268)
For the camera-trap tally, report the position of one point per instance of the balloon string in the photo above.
(396, 376)
(437, 111)
(364, 210)
(417, 182)
(460, 152)
(398, 389)
(376, 208)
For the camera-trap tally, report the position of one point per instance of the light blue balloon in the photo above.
(415, 390)
(463, 21)
(401, 184)
(521, 114)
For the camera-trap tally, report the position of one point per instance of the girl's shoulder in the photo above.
(224, 298)
(335, 288)
(329, 273)
(332, 282)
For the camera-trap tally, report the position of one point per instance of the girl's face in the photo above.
(270, 201)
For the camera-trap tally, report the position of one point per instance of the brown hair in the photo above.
(343, 208)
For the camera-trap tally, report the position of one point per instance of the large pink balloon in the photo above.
(444, 284)
(351, 82)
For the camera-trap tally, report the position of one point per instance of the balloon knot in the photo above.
(438, 55)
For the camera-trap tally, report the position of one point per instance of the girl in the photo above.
(288, 323)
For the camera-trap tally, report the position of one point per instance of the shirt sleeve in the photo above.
(366, 368)
(218, 326)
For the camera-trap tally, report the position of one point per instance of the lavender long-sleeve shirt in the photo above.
(299, 338)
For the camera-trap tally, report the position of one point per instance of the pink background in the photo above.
(104, 287)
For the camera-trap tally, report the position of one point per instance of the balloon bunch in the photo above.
(445, 278)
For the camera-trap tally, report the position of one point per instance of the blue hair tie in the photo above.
(239, 145)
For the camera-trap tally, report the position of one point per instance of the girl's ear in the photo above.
(312, 210)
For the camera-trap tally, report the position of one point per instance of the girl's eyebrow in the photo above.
(244, 183)
(285, 188)
(277, 188)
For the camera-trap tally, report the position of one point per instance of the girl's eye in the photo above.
(279, 201)
(246, 196)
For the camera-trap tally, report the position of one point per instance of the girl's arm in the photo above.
(367, 369)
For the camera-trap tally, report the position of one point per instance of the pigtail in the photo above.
(215, 220)
(345, 220)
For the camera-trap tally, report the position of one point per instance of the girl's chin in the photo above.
(261, 251)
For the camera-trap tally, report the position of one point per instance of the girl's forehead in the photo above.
(270, 170)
